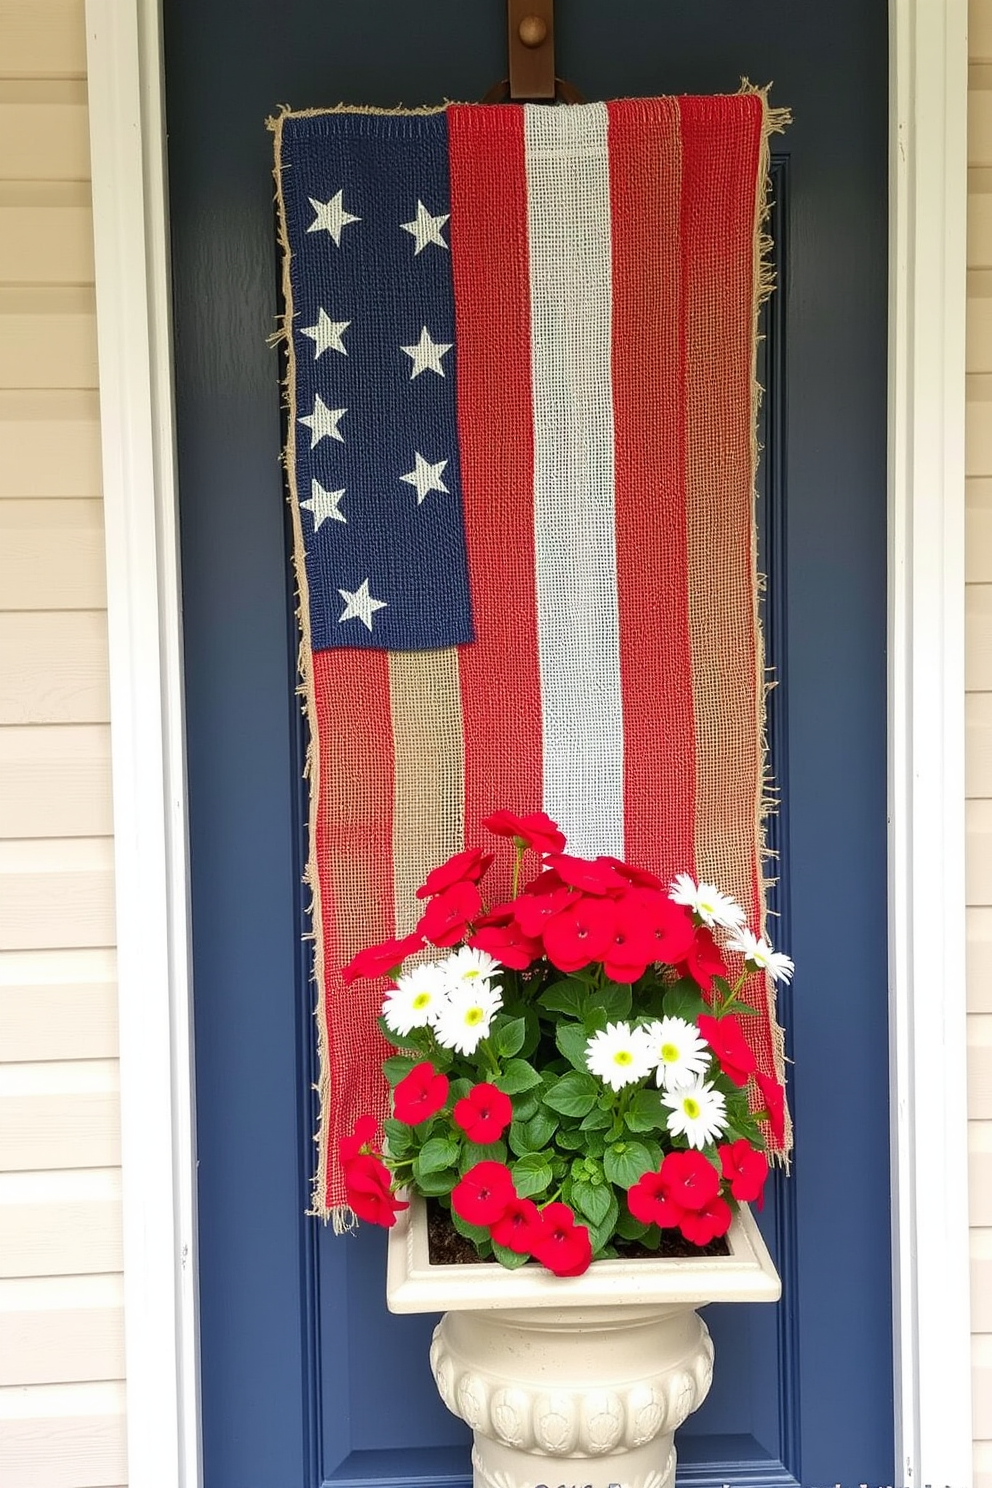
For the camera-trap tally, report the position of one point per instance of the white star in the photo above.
(326, 334)
(324, 504)
(425, 477)
(427, 353)
(425, 228)
(323, 422)
(360, 605)
(331, 217)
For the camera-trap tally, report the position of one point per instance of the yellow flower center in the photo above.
(669, 1053)
(471, 974)
(473, 1016)
(422, 1000)
(706, 907)
(623, 1056)
(691, 1108)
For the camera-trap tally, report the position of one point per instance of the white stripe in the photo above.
(568, 196)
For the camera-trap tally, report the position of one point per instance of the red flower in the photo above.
(484, 1113)
(562, 1245)
(447, 917)
(468, 866)
(365, 1134)
(725, 1037)
(638, 876)
(420, 1094)
(650, 1202)
(703, 961)
(774, 1098)
(366, 1182)
(631, 947)
(541, 899)
(508, 944)
(520, 1227)
(381, 960)
(691, 1181)
(703, 1225)
(535, 830)
(670, 925)
(580, 933)
(484, 1194)
(599, 877)
(498, 933)
(745, 1169)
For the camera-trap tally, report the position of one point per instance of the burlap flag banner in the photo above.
(521, 459)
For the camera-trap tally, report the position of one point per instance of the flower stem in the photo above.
(521, 847)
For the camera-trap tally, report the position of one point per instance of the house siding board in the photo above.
(62, 1395)
(978, 721)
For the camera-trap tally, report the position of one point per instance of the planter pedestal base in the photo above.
(576, 1381)
(576, 1395)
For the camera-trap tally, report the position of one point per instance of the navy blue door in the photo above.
(306, 1379)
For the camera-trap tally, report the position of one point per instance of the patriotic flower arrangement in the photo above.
(572, 1073)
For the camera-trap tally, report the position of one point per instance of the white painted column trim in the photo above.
(927, 288)
(927, 298)
(127, 138)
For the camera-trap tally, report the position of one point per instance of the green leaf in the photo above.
(646, 1113)
(525, 1106)
(517, 1077)
(397, 1067)
(592, 1199)
(476, 1152)
(437, 1153)
(507, 1038)
(603, 1230)
(572, 1039)
(597, 1120)
(564, 997)
(624, 1162)
(533, 1135)
(417, 1038)
(631, 1228)
(531, 1174)
(432, 1185)
(399, 1137)
(511, 1259)
(685, 1000)
(571, 1139)
(574, 1095)
(476, 1233)
(612, 999)
(458, 1090)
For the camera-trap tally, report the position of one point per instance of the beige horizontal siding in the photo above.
(62, 1397)
(978, 721)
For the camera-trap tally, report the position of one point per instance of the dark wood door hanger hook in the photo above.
(531, 52)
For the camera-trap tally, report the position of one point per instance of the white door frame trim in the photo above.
(932, 1423)
(928, 203)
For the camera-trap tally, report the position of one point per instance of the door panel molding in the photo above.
(928, 52)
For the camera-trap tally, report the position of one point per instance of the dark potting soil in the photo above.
(447, 1248)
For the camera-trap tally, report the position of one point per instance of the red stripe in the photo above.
(652, 572)
(719, 186)
(500, 676)
(353, 843)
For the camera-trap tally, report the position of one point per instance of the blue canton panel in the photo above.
(367, 202)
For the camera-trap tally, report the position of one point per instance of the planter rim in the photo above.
(747, 1274)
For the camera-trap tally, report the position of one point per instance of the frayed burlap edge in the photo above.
(773, 121)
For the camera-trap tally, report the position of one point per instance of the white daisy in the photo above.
(467, 968)
(759, 955)
(416, 999)
(466, 1015)
(620, 1055)
(699, 1113)
(706, 902)
(679, 1051)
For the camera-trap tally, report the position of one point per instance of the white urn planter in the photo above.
(579, 1380)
